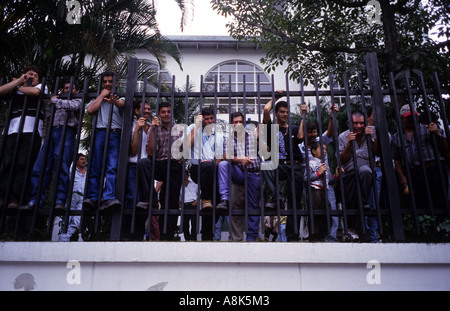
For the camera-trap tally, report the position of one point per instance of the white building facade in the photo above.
(230, 62)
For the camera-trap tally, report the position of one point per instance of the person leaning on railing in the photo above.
(102, 105)
(361, 135)
(28, 88)
(208, 141)
(425, 132)
(162, 128)
(290, 170)
(327, 138)
(241, 149)
(63, 107)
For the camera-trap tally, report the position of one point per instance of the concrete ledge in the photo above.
(225, 252)
(224, 266)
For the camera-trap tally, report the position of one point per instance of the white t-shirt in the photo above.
(28, 126)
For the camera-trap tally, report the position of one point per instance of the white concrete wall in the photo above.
(223, 266)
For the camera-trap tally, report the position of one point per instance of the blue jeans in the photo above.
(371, 221)
(51, 165)
(131, 185)
(112, 160)
(74, 221)
(253, 193)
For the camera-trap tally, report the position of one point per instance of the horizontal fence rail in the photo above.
(400, 174)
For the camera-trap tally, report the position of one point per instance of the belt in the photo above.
(282, 161)
(378, 164)
(253, 170)
(116, 130)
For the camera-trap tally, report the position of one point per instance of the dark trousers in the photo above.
(190, 232)
(438, 194)
(145, 185)
(318, 203)
(351, 195)
(207, 172)
(296, 179)
(19, 176)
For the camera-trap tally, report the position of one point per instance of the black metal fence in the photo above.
(394, 211)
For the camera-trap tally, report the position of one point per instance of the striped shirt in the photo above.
(411, 146)
(164, 141)
(247, 148)
(64, 106)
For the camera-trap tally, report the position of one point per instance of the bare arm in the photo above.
(268, 107)
(346, 154)
(134, 145)
(151, 136)
(94, 106)
(28, 90)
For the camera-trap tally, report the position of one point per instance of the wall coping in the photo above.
(226, 252)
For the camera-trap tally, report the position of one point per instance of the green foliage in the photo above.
(427, 229)
(109, 32)
(327, 36)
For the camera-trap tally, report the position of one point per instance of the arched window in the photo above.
(234, 73)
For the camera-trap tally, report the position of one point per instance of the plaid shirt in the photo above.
(411, 147)
(64, 106)
(242, 149)
(164, 142)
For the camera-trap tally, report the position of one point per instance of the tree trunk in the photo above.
(390, 36)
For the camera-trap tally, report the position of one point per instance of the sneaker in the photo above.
(112, 203)
(29, 206)
(367, 206)
(90, 204)
(206, 204)
(142, 205)
(273, 205)
(222, 205)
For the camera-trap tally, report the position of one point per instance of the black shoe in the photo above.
(112, 203)
(222, 205)
(142, 205)
(27, 207)
(90, 204)
(59, 206)
(273, 205)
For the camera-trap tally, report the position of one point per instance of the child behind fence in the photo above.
(316, 171)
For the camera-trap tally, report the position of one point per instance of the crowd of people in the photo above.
(224, 172)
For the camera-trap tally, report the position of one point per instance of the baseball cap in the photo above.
(405, 111)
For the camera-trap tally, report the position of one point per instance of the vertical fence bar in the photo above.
(75, 157)
(322, 160)
(386, 156)
(185, 138)
(337, 153)
(371, 157)
(127, 125)
(139, 153)
(199, 142)
(291, 159)
(169, 164)
(437, 154)
(403, 149)
(418, 140)
(354, 157)
(88, 172)
(44, 164)
(153, 157)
